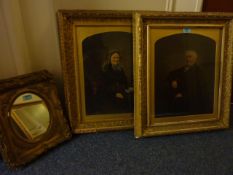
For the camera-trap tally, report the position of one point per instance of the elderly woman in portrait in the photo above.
(114, 92)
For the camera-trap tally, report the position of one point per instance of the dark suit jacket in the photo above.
(191, 85)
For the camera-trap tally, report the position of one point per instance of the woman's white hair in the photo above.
(107, 62)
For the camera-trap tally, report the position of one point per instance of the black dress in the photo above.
(113, 82)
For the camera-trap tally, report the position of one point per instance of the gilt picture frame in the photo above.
(97, 66)
(21, 116)
(184, 63)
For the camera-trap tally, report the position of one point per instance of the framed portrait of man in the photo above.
(184, 82)
(97, 63)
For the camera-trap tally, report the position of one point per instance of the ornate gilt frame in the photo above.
(17, 151)
(72, 67)
(145, 124)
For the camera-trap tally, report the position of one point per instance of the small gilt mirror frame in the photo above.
(15, 150)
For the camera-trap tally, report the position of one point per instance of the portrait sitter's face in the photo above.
(115, 59)
(191, 57)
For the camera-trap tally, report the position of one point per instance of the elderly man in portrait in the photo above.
(187, 89)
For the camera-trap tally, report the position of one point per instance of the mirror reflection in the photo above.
(30, 115)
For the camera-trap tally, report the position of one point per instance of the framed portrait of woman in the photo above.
(97, 64)
(184, 78)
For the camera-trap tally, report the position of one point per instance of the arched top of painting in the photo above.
(185, 41)
(105, 42)
(106, 36)
(187, 38)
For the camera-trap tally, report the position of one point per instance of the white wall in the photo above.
(28, 29)
(111, 4)
(14, 57)
(39, 19)
(5, 50)
(187, 5)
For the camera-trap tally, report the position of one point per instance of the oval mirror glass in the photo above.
(30, 116)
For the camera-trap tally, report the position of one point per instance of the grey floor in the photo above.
(118, 153)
